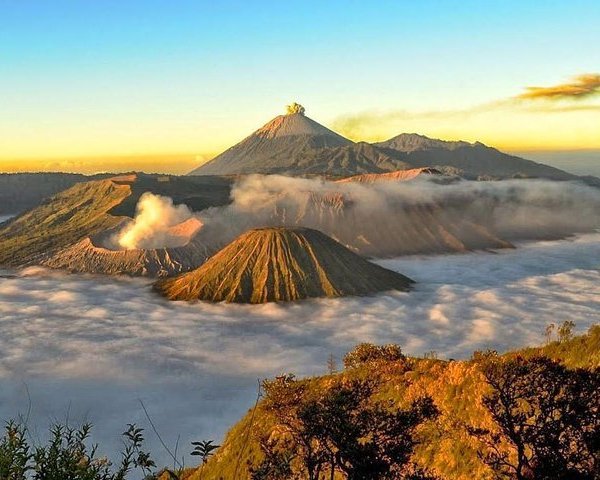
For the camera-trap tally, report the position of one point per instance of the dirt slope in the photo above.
(281, 264)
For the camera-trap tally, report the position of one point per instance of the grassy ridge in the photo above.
(91, 207)
(457, 388)
(62, 220)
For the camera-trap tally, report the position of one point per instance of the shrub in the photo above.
(367, 353)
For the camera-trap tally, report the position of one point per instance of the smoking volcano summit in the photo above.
(294, 144)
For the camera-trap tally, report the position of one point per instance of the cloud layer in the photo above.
(397, 218)
(92, 346)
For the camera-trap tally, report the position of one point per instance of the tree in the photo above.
(15, 453)
(547, 418)
(565, 331)
(68, 455)
(548, 331)
(331, 364)
(342, 429)
(368, 353)
(203, 449)
(284, 397)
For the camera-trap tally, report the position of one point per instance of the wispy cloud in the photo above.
(562, 98)
(356, 125)
(581, 86)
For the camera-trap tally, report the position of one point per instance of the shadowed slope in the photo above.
(279, 264)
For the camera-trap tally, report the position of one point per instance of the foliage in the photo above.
(445, 445)
(367, 352)
(565, 331)
(341, 429)
(547, 419)
(68, 455)
(204, 449)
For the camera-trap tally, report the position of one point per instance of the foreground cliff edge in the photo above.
(462, 440)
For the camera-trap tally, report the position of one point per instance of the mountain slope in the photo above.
(398, 176)
(61, 220)
(391, 226)
(274, 147)
(22, 191)
(61, 232)
(293, 144)
(471, 160)
(87, 257)
(456, 387)
(278, 264)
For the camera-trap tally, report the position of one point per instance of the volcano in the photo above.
(281, 264)
(277, 147)
(294, 144)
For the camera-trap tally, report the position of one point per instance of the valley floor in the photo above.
(90, 347)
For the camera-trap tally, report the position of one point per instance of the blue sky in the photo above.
(126, 77)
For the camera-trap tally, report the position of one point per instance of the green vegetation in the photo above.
(68, 455)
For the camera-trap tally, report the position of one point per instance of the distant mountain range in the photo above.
(294, 144)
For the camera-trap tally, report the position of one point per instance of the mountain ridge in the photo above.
(294, 144)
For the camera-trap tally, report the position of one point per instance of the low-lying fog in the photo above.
(89, 347)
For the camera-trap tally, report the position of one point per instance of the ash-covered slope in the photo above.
(471, 160)
(274, 148)
(397, 176)
(281, 264)
(88, 257)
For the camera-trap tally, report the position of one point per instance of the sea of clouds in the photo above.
(381, 220)
(89, 348)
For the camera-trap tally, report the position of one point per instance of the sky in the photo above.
(163, 86)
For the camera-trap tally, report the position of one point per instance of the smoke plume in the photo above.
(561, 98)
(580, 87)
(153, 225)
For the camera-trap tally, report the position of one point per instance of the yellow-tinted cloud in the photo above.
(581, 86)
(514, 122)
(158, 163)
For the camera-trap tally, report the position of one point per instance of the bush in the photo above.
(368, 353)
(547, 418)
